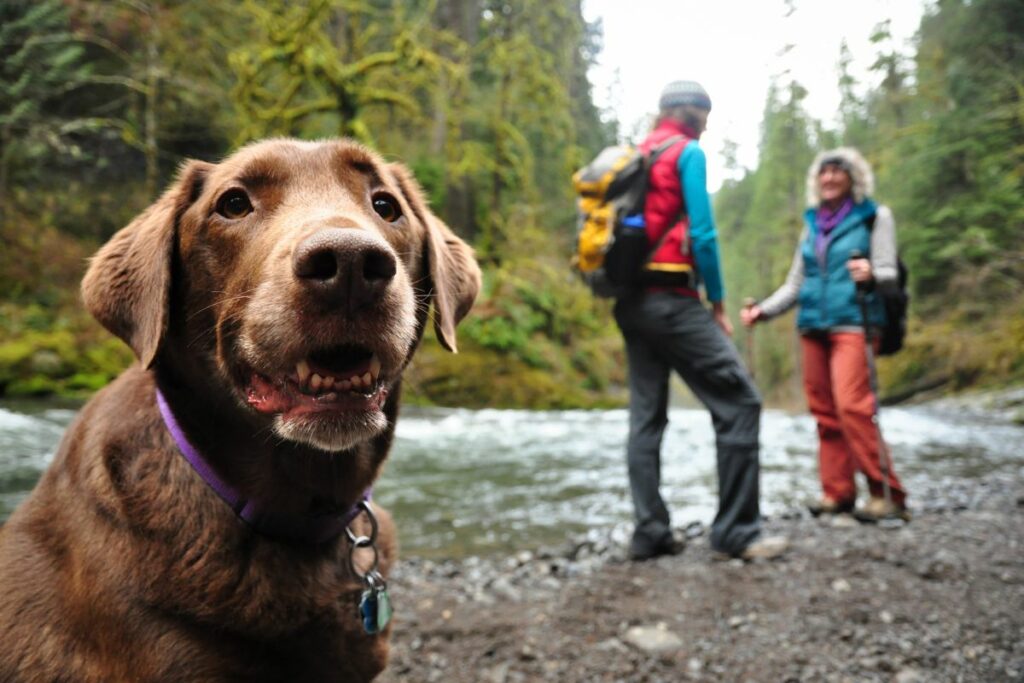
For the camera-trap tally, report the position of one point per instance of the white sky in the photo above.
(734, 48)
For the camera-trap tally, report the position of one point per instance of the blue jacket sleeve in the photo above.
(703, 236)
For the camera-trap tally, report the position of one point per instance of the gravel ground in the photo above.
(941, 599)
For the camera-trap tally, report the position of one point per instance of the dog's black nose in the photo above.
(344, 267)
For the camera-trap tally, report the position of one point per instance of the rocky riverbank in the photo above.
(941, 599)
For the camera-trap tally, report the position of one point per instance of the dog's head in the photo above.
(298, 275)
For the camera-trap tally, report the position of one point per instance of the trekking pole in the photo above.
(891, 521)
(747, 303)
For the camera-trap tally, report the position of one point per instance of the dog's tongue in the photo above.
(268, 398)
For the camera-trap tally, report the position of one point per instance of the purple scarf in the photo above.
(825, 220)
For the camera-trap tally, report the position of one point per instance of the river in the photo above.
(463, 482)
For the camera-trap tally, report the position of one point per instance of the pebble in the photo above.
(844, 522)
(652, 639)
(610, 645)
(943, 565)
(841, 586)
(908, 676)
(496, 674)
(504, 589)
(886, 617)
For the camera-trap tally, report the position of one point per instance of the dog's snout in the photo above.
(344, 267)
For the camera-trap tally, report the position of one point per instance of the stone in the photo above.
(504, 589)
(841, 586)
(943, 565)
(844, 522)
(653, 640)
(908, 676)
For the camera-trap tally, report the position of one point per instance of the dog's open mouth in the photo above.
(337, 379)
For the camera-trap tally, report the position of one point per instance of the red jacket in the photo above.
(663, 207)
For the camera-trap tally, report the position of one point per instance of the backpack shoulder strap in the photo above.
(653, 155)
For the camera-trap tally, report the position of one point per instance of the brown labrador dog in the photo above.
(273, 301)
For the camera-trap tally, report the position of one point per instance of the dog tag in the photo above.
(375, 609)
(368, 610)
(383, 608)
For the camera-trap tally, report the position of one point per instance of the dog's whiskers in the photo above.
(244, 295)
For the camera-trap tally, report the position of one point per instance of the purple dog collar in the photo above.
(311, 528)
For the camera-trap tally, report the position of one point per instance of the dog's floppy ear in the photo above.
(455, 276)
(453, 271)
(128, 284)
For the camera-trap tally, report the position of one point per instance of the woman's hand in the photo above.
(860, 269)
(750, 314)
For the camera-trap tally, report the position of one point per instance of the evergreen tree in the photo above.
(39, 62)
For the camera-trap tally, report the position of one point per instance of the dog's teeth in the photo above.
(331, 396)
(367, 380)
(327, 383)
(315, 381)
(302, 370)
(374, 366)
(356, 382)
(345, 385)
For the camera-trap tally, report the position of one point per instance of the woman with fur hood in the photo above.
(842, 219)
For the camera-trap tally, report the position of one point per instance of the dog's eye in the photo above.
(234, 204)
(387, 207)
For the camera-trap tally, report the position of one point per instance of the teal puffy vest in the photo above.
(828, 297)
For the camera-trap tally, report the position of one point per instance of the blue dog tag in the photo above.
(375, 609)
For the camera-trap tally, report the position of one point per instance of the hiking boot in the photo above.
(829, 506)
(878, 509)
(642, 553)
(764, 548)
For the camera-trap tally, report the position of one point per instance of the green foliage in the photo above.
(945, 135)
(55, 353)
(317, 67)
(957, 349)
(759, 221)
(537, 317)
(490, 104)
(38, 63)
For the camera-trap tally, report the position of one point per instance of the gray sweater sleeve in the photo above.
(883, 249)
(784, 298)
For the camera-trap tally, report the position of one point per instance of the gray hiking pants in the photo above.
(667, 331)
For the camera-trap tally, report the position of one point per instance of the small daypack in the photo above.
(896, 301)
(611, 236)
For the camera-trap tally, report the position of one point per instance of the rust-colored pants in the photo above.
(839, 396)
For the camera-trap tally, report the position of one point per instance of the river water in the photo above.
(465, 482)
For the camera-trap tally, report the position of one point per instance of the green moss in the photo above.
(478, 377)
(60, 351)
(34, 385)
(958, 350)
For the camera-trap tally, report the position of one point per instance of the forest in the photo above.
(489, 103)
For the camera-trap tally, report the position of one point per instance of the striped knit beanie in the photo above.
(678, 93)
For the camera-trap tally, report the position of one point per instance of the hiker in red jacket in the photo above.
(667, 327)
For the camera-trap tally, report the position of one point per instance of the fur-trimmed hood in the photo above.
(860, 173)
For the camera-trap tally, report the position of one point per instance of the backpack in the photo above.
(611, 235)
(896, 302)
